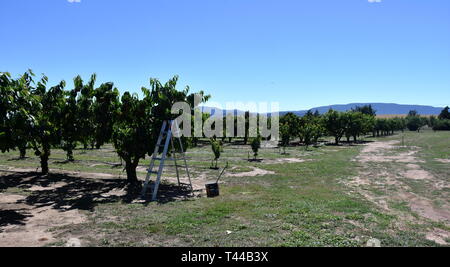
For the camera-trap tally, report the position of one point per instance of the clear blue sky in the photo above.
(300, 53)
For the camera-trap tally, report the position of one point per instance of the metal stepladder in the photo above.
(166, 135)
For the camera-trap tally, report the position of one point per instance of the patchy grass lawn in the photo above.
(302, 200)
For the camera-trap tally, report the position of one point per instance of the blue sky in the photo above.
(299, 53)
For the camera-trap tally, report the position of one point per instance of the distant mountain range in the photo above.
(381, 109)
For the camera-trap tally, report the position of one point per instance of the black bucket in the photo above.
(212, 189)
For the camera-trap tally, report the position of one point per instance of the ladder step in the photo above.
(173, 133)
(169, 159)
(153, 172)
(160, 145)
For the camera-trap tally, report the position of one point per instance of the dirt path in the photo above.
(391, 175)
(25, 225)
(254, 172)
(33, 208)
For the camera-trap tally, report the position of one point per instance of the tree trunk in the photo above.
(336, 139)
(69, 146)
(130, 167)
(355, 139)
(23, 152)
(70, 154)
(44, 164)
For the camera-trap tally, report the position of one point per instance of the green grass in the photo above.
(302, 204)
(433, 145)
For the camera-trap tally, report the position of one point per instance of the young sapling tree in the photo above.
(217, 148)
(256, 145)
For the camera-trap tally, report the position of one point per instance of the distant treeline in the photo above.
(442, 122)
(353, 124)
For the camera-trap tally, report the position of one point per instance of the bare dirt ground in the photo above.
(390, 174)
(32, 213)
(443, 160)
(29, 225)
(255, 172)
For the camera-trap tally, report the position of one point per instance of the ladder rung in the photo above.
(153, 172)
(169, 159)
(173, 133)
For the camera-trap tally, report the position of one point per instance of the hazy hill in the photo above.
(381, 108)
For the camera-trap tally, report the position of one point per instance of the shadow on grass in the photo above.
(18, 159)
(255, 160)
(64, 192)
(64, 162)
(169, 193)
(351, 143)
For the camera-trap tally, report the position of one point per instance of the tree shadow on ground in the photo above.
(18, 159)
(64, 192)
(169, 192)
(75, 161)
(349, 143)
(13, 217)
(64, 162)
